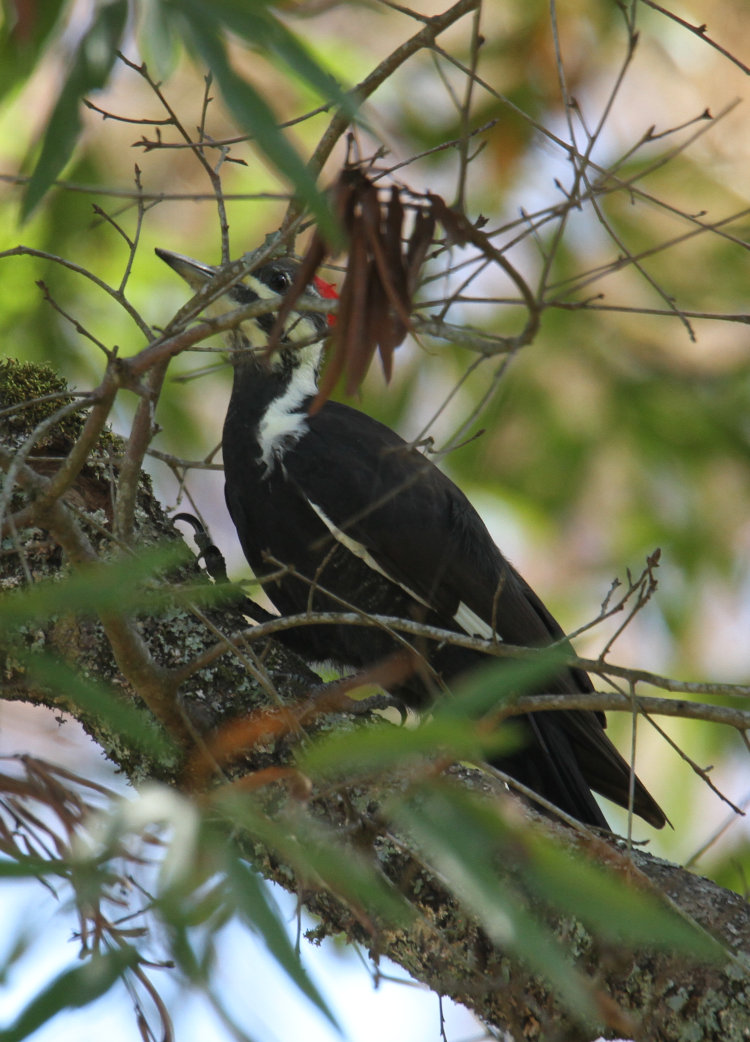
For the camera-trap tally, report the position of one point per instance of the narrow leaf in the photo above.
(33, 868)
(499, 681)
(262, 30)
(466, 855)
(89, 70)
(24, 34)
(566, 882)
(380, 748)
(316, 852)
(251, 899)
(606, 904)
(158, 42)
(71, 989)
(96, 700)
(114, 587)
(252, 112)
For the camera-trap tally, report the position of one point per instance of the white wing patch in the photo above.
(467, 619)
(472, 625)
(362, 552)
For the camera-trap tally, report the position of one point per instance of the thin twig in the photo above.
(28, 251)
(80, 329)
(585, 700)
(700, 31)
(340, 122)
(140, 212)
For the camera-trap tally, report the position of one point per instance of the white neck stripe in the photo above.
(284, 422)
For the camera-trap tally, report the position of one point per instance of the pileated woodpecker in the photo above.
(364, 520)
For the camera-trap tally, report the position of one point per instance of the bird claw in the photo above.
(212, 556)
(216, 567)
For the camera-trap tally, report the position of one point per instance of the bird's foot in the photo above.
(216, 567)
(212, 556)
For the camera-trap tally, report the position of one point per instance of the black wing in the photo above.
(420, 530)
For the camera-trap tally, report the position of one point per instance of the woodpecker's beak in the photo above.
(192, 271)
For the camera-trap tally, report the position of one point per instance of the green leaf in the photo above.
(466, 839)
(263, 31)
(115, 587)
(252, 902)
(453, 730)
(158, 42)
(71, 989)
(24, 34)
(310, 849)
(251, 111)
(380, 747)
(611, 908)
(131, 722)
(33, 868)
(464, 844)
(501, 680)
(90, 67)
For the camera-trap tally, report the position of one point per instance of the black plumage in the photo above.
(363, 519)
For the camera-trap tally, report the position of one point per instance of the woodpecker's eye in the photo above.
(279, 280)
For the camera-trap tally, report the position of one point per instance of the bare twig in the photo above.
(740, 719)
(700, 31)
(337, 127)
(28, 251)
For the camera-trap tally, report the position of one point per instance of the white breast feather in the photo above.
(285, 421)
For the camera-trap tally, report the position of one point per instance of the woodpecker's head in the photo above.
(268, 282)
